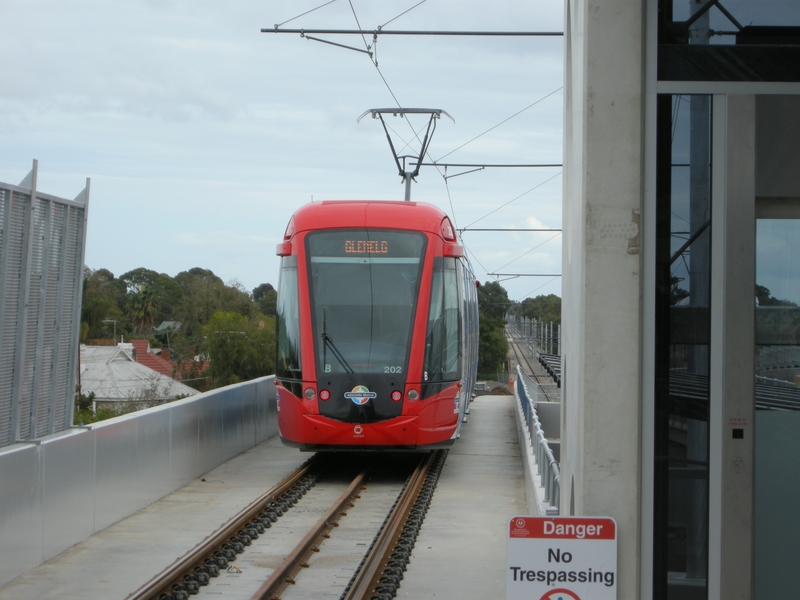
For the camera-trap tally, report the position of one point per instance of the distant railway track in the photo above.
(273, 548)
(520, 355)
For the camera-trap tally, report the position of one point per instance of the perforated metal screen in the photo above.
(42, 240)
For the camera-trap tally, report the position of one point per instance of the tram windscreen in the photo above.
(364, 286)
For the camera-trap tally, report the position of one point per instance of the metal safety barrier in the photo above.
(546, 463)
(58, 490)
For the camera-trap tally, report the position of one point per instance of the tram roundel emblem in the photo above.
(560, 594)
(358, 430)
(360, 395)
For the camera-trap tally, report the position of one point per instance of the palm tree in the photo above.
(142, 309)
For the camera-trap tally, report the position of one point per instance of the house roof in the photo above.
(112, 374)
(168, 325)
(144, 357)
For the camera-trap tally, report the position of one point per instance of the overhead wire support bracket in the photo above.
(463, 229)
(308, 37)
(515, 275)
(488, 166)
(446, 177)
(379, 31)
(474, 168)
(435, 114)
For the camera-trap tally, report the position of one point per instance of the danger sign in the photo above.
(561, 558)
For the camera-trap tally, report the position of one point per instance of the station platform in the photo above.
(460, 551)
(461, 548)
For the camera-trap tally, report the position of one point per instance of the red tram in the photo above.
(377, 328)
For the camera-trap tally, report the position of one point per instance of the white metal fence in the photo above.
(42, 241)
(537, 335)
(543, 448)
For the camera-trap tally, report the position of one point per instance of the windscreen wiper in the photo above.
(328, 343)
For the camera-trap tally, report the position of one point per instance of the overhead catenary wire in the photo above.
(303, 14)
(380, 27)
(513, 199)
(450, 199)
(538, 288)
(371, 50)
(418, 32)
(501, 122)
(529, 251)
(508, 229)
(475, 257)
(495, 166)
(402, 13)
(355, 16)
(374, 61)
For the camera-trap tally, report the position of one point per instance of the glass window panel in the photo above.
(288, 310)
(443, 341)
(777, 403)
(682, 347)
(363, 289)
(745, 12)
(722, 26)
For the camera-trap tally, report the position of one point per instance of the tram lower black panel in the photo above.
(344, 408)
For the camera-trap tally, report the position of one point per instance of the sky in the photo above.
(201, 135)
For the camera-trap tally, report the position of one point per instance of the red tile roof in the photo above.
(153, 361)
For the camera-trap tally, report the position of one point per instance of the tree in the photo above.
(142, 308)
(492, 346)
(239, 348)
(167, 291)
(185, 278)
(493, 299)
(543, 308)
(102, 295)
(676, 293)
(203, 295)
(266, 297)
(765, 298)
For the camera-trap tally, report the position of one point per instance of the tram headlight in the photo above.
(396, 395)
(413, 395)
(324, 395)
(309, 393)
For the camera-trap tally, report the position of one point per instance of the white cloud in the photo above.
(202, 134)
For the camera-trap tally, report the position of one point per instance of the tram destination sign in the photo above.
(561, 558)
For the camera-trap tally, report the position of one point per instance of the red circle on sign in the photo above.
(554, 595)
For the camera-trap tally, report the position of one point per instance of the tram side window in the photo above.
(288, 363)
(443, 346)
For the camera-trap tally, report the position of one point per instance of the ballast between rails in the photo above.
(185, 569)
(297, 559)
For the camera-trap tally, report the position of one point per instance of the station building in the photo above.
(681, 286)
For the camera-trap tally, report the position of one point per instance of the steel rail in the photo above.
(298, 558)
(519, 351)
(174, 573)
(363, 585)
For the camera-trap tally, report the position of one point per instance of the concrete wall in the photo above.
(61, 489)
(601, 310)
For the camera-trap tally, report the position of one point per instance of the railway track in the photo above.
(521, 357)
(341, 526)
